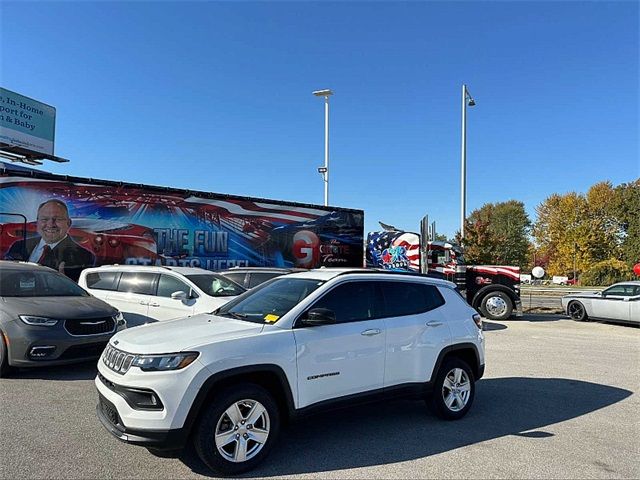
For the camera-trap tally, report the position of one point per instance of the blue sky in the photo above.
(217, 96)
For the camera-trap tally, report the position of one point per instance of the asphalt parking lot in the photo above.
(559, 400)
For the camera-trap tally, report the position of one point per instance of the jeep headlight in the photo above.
(38, 321)
(169, 361)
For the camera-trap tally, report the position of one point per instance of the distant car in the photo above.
(250, 277)
(45, 318)
(148, 293)
(620, 302)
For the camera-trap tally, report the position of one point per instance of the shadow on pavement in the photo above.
(77, 371)
(541, 317)
(489, 326)
(391, 432)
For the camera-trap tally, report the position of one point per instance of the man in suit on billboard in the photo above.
(53, 248)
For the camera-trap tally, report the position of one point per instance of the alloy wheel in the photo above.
(456, 389)
(242, 430)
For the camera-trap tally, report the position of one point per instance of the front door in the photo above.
(347, 357)
(163, 307)
(614, 303)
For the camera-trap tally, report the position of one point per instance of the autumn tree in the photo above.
(583, 230)
(498, 234)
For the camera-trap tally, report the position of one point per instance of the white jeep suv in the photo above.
(295, 344)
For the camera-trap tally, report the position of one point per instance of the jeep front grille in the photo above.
(117, 360)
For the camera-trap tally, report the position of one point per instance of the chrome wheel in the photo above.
(496, 306)
(576, 311)
(456, 389)
(242, 430)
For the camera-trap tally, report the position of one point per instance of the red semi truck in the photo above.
(494, 290)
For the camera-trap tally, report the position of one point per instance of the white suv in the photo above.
(148, 293)
(292, 345)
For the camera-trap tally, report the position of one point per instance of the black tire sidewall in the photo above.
(503, 296)
(5, 369)
(584, 317)
(204, 438)
(436, 401)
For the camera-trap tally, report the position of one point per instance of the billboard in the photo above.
(26, 123)
(141, 225)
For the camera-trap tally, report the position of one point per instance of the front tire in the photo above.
(577, 311)
(5, 368)
(453, 391)
(238, 429)
(496, 306)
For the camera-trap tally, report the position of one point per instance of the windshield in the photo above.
(39, 283)
(268, 302)
(216, 285)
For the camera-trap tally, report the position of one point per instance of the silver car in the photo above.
(620, 302)
(46, 318)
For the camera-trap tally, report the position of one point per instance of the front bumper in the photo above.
(160, 439)
(67, 349)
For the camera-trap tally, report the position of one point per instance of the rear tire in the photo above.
(238, 429)
(496, 306)
(577, 311)
(453, 391)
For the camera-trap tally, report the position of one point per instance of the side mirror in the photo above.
(319, 316)
(179, 295)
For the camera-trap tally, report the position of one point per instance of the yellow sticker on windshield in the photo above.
(271, 318)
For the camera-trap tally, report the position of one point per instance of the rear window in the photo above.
(258, 278)
(15, 283)
(102, 280)
(406, 298)
(136, 282)
(236, 277)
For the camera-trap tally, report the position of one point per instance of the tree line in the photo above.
(596, 234)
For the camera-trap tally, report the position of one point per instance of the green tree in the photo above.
(626, 209)
(498, 233)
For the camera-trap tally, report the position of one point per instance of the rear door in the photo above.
(133, 295)
(417, 330)
(163, 307)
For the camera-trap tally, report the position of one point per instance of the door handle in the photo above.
(154, 304)
(433, 324)
(371, 332)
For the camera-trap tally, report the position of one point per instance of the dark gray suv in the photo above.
(46, 318)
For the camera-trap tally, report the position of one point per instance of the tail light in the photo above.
(478, 320)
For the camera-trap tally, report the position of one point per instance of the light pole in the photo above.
(466, 100)
(325, 170)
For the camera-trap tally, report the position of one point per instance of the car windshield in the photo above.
(268, 302)
(216, 285)
(37, 283)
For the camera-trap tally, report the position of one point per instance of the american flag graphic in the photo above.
(394, 250)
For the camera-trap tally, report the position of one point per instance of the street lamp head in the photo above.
(323, 93)
(472, 102)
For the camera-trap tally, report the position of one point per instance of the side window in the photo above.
(258, 278)
(406, 298)
(168, 284)
(136, 282)
(103, 280)
(620, 290)
(352, 302)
